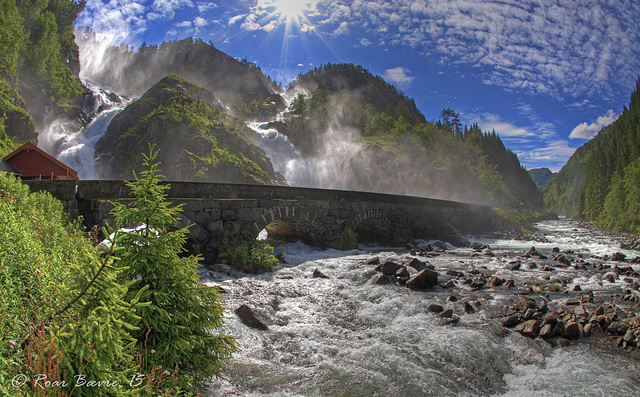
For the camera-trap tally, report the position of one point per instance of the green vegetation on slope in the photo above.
(540, 176)
(38, 66)
(197, 142)
(136, 314)
(399, 151)
(600, 181)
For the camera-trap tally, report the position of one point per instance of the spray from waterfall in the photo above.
(75, 146)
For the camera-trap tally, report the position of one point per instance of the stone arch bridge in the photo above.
(315, 216)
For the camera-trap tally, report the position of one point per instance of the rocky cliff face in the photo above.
(196, 140)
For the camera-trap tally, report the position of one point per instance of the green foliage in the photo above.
(348, 240)
(256, 257)
(64, 313)
(599, 183)
(175, 330)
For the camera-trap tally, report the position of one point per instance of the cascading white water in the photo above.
(76, 148)
(343, 336)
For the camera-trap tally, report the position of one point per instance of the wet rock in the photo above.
(618, 256)
(402, 275)
(449, 284)
(545, 331)
(417, 264)
(523, 303)
(452, 298)
(381, 279)
(389, 268)
(468, 308)
(318, 274)
(561, 259)
(528, 328)
(494, 281)
(572, 330)
(450, 320)
(509, 283)
(555, 249)
(447, 313)
(454, 273)
(248, 318)
(513, 265)
(435, 308)
(373, 261)
(511, 321)
(425, 279)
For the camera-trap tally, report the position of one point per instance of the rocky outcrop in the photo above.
(195, 140)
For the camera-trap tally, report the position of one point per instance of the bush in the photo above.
(348, 240)
(255, 258)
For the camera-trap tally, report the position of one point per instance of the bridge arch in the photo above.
(373, 226)
(290, 223)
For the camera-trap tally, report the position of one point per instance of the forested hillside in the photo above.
(601, 181)
(394, 149)
(540, 176)
(38, 67)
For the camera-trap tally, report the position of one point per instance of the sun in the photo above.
(290, 10)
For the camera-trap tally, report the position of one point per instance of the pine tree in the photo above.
(176, 329)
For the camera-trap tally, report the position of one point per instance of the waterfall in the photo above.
(76, 146)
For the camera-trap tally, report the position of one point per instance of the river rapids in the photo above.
(343, 336)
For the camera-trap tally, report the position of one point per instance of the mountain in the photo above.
(540, 176)
(600, 181)
(196, 140)
(373, 137)
(240, 85)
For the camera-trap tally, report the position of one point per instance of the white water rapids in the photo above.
(343, 336)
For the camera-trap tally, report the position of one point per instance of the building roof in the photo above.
(42, 164)
(8, 167)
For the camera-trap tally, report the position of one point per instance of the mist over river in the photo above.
(344, 336)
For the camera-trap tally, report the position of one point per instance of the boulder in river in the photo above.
(425, 279)
(248, 318)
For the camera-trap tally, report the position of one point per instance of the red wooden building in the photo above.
(35, 163)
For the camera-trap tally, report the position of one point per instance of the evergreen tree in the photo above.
(176, 329)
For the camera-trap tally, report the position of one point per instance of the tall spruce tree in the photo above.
(177, 329)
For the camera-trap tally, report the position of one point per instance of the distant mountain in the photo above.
(600, 182)
(195, 139)
(540, 176)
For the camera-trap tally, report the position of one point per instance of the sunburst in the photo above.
(290, 10)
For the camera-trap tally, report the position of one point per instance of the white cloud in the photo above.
(491, 122)
(343, 28)
(236, 18)
(565, 49)
(588, 131)
(554, 155)
(399, 77)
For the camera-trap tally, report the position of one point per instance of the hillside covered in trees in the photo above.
(601, 181)
(39, 67)
(394, 149)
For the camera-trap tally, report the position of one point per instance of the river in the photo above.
(344, 336)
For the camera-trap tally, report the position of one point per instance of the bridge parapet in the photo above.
(315, 216)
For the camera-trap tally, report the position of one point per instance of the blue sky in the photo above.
(546, 75)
